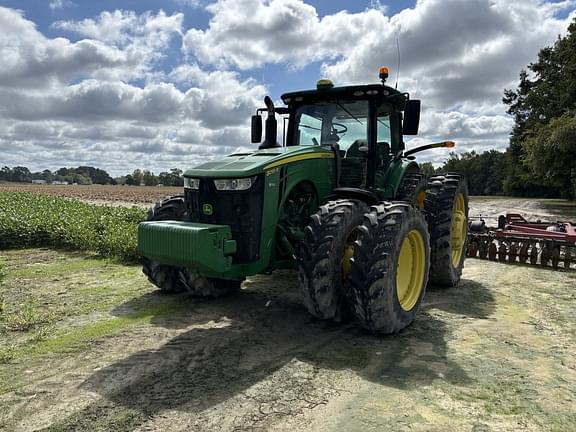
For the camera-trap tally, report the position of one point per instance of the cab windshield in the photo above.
(338, 122)
(326, 123)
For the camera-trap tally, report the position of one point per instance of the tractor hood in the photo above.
(249, 164)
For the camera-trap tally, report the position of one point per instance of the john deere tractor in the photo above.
(340, 200)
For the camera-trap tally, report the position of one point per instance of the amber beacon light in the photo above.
(383, 73)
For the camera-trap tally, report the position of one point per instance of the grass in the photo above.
(38, 297)
(53, 304)
(28, 219)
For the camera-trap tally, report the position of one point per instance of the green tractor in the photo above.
(340, 200)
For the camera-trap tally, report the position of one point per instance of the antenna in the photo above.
(398, 63)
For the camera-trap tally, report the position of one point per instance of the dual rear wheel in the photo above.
(375, 263)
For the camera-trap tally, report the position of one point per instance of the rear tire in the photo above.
(324, 258)
(412, 190)
(446, 207)
(390, 267)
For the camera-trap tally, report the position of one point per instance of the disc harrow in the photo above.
(517, 240)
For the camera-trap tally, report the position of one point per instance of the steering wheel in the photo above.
(343, 129)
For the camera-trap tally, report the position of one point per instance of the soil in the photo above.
(100, 349)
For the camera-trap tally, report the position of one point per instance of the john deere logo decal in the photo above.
(207, 209)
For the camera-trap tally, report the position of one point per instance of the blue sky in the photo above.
(154, 85)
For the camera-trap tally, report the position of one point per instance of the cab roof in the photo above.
(360, 92)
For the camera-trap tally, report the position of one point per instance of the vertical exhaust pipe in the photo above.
(271, 127)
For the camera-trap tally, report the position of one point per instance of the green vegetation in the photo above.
(148, 178)
(28, 219)
(485, 172)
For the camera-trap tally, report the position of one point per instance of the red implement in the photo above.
(517, 226)
(519, 240)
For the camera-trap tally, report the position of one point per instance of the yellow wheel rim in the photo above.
(347, 254)
(410, 270)
(459, 230)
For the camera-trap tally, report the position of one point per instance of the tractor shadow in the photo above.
(227, 345)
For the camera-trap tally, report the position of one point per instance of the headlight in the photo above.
(191, 183)
(233, 184)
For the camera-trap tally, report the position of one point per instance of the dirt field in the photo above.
(86, 344)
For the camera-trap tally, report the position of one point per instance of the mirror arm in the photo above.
(447, 144)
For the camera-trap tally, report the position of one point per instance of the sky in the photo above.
(150, 84)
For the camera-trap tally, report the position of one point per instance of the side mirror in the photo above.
(411, 117)
(256, 128)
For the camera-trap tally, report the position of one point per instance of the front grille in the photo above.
(241, 210)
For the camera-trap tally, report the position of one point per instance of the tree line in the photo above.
(86, 175)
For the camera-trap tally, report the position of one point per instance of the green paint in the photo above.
(208, 247)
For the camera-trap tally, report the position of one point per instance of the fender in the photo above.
(367, 196)
(394, 175)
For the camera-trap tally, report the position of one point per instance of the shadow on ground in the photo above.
(235, 342)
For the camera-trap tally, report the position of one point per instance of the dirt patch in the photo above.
(496, 353)
(545, 209)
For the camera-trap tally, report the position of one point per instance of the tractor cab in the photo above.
(363, 125)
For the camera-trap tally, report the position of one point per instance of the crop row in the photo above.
(28, 219)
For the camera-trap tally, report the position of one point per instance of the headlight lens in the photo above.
(233, 184)
(191, 183)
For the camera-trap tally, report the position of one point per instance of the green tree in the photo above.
(21, 174)
(427, 169)
(130, 181)
(547, 93)
(138, 176)
(551, 153)
(172, 178)
(149, 178)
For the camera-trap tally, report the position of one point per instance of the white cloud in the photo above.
(79, 102)
(142, 39)
(60, 4)
(250, 33)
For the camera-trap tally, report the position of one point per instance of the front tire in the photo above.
(324, 258)
(165, 277)
(200, 286)
(390, 267)
(447, 208)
